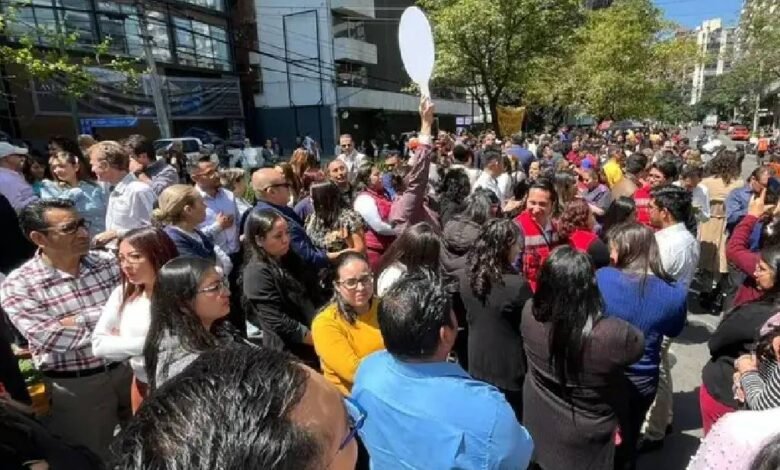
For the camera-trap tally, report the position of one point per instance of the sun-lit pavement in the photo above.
(691, 353)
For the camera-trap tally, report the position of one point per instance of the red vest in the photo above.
(537, 246)
(373, 240)
(580, 240)
(642, 201)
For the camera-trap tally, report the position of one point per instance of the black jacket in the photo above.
(280, 301)
(495, 347)
(458, 237)
(736, 335)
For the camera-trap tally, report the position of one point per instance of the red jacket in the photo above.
(537, 246)
(738, 253)
(642, 200)
(580, 240)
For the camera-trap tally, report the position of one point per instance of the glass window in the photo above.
(77, 22)
(201, 44)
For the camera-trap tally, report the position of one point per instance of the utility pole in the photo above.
(156, 84)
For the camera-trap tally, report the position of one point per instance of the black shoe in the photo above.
(646, 445)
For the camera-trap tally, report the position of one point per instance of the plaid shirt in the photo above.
(37, 296)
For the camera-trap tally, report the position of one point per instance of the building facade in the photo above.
(334, 66)
(192, 42)
(716, 44)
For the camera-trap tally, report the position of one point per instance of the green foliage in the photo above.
(494, 48)
(42, 54)
(626, 62)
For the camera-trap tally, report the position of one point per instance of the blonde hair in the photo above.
(172, 202)
(112, 153)
(229, 176)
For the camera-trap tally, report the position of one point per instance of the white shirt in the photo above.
(679, 252)
(224, 202)
(130, 205)
(488, 182)
(18, 191)
(366, 207)
(389, 276)
(353, 162)
(120, 334)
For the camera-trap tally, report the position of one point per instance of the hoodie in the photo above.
(458, 238)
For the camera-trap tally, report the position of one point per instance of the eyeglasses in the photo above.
(217, 287)
(132, 258)
(70, 228)
(357, 418)
(353, 283)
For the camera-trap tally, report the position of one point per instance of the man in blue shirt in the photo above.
(273, 192)
(423, 412)
(522, 154)
(738, 199)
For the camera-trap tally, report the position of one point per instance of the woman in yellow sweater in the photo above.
(347, 330)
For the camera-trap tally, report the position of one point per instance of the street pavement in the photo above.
(691, 353)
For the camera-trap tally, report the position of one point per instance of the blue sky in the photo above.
(690, 13)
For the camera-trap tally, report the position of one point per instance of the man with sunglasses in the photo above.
(273, 192)
(419, 406)
(12, 183)
(55, 300)
(350, 156)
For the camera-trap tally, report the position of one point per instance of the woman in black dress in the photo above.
(494, 294)
(280, 296)
(576, 359)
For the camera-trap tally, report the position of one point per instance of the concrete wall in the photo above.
(287, 123)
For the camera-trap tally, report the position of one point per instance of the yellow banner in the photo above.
(511, 119)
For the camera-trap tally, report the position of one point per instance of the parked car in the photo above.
(192, 147)
(723, 125)
(740, 133)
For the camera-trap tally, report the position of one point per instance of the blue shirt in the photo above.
(523, 155)
(736, 205)
(435, 416)
(223, 202)
(658, 311)
(90, 200)
(387, 182)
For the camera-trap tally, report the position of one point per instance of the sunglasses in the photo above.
(69, 229)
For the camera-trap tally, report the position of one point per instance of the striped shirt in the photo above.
(37, 296)
(762, 387)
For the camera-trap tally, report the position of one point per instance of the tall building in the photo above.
(192, 42)
(332, 67)
(716, 44)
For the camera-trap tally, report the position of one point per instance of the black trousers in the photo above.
(630, 427)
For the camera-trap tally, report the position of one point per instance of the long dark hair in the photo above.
(637, 250)
(478, 205)
(363, 176)
(155, 245)
(326, 200)
(344, 309)
(289, 269)
(567, 299)
(455, 186)
(771, 256)
(618, 212)
(489, 257)
(417, 247)
(173, 312)
(35, 157)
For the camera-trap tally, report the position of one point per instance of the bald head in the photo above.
(269, 185)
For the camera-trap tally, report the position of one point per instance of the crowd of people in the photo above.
(459, 302)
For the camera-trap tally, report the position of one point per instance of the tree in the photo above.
(625, 61)
(43, 54)
(494, 48)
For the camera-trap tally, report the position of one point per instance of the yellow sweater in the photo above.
(342, 346)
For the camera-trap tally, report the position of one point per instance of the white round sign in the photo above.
(415, 40)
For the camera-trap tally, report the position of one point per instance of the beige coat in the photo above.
(712, 234)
